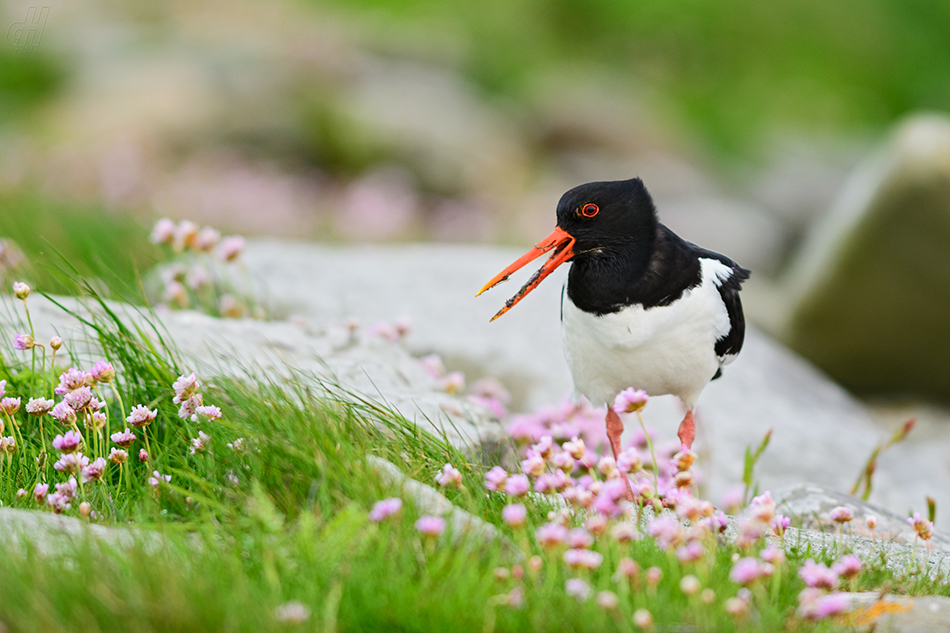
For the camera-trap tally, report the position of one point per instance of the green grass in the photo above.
(294, 526)
(734, 70)
(63, 242)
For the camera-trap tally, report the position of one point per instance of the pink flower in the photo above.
(575, 447)
(158, 478)
(71, 463)
(185, 387)
(629, 461)
(123, 439)
(871, 521)
(583, 558)
(841, 515)
(514, 514)
(10, 405)
(848, 566)
(607, 600)
(20, 290)
(923, 527)
(64, 413)
(643, 619)
(103, 371)
(94, 471)
(67, 443)
(231, 248)
(430, 525)
(624, 532)
(78, 399)
(432, 364)
(189, 408)
(762, 507)
(3, 387)
(140, 416)
(745, 571)
(667, 531)
(579, 538)
(208, 412)
(39, 492)
(385, 508)
(58, 502)
(563, 462)
(118, 455)
(200, 443)
(533, 466)
(450, 476)
(517, 485)
(8, 445)
(813, 604)
(23, 342)
(68, 489)
(818, 575)
(628, 568)
(495, 478)
(780, 523)
(773, 554)
(691, 552)
(551, 535)
(453, 382)
(292, 613)
(186, 235)
(207, 239)
(71, 379)
(143, 455)
(630, 400)
(163, 232)
(38, 406)
(577, 588)
(654, 576)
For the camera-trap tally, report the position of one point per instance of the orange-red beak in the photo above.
(560, 240)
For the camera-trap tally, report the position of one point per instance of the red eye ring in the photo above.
(589, 210)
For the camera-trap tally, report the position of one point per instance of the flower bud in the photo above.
(21, 290)
(85, 509)
(55, 343)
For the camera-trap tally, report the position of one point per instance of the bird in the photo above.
(641, 306)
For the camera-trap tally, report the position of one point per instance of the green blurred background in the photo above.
(382, 120)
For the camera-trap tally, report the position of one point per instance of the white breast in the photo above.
(662, 350)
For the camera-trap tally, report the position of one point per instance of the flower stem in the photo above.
(656, 467)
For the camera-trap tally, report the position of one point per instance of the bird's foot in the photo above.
(687, 430)
(614, 431)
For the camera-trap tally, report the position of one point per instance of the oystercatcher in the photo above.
(641, 307)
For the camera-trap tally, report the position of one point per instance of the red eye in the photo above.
(590, 210)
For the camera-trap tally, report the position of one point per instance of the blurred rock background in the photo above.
(808, 141)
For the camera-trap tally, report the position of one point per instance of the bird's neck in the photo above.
(652, 271)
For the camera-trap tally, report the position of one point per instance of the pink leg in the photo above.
(614, 431)
(687, 431)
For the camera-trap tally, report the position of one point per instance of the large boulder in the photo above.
(871, 286)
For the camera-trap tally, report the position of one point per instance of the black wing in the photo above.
(729, 345)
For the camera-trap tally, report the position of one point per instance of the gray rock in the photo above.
(55, 534)
(821, 433)
(333, 356)
(809, 506)
(871, 287)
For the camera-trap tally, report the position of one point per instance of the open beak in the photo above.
(560, 240)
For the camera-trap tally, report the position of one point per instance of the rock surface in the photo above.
(821, 433)
(335, 356)
(810, 505)
(871, 285)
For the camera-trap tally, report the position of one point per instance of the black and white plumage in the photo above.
(651, 311)
(641, 307)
